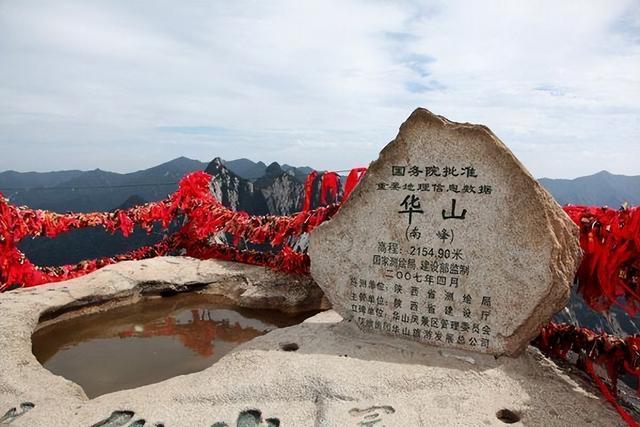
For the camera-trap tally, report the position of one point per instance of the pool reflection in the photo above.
(144, 343)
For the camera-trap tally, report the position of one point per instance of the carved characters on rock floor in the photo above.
(248, 418)
(14, 413)
(251, 418)
(122, 418)
(372, 416)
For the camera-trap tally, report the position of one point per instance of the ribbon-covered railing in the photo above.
(609, 274)
(203, 214)
(616, 356)
(610, 270)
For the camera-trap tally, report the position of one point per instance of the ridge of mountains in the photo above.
(99, 190)
(600, 189)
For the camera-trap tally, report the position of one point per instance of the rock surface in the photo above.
(448, 241)
(277, 192)
(319, 373)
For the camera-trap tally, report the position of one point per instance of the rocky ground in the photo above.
(319, 373)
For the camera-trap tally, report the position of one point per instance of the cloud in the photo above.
(417, 87)
(123, 85)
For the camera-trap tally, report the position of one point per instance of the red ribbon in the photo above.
(329, 187)
(308, 190)
(610, 270)
(616, 355)
(354, 177)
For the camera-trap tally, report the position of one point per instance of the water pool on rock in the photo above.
(147, 342)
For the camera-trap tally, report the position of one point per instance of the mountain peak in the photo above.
(219, 167)
(180, 160)
(601, 188)
(246, 168)
(216, 165)
(274, 169)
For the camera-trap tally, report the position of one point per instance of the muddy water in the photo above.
(145, 343)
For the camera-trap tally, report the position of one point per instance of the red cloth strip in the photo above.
(353, 179)
(329, 188)
(308, 190)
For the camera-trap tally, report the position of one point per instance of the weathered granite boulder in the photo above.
(448, 241)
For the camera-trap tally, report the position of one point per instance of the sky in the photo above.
(126, 85)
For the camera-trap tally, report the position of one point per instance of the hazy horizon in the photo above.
(256, 161)
(124, 86)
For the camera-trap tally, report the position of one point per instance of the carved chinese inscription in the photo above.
(425, 284)
(447, 241)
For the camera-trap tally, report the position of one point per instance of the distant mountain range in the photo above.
(250, 170)
(602, 188)
(99, 190)
(95, 190)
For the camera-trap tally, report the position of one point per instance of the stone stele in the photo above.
(448, 241)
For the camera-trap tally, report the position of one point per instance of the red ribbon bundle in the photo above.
(308, 190)
(616, 355)
(205, 217)
(329, 188)
(354, 177)
(610, 270)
